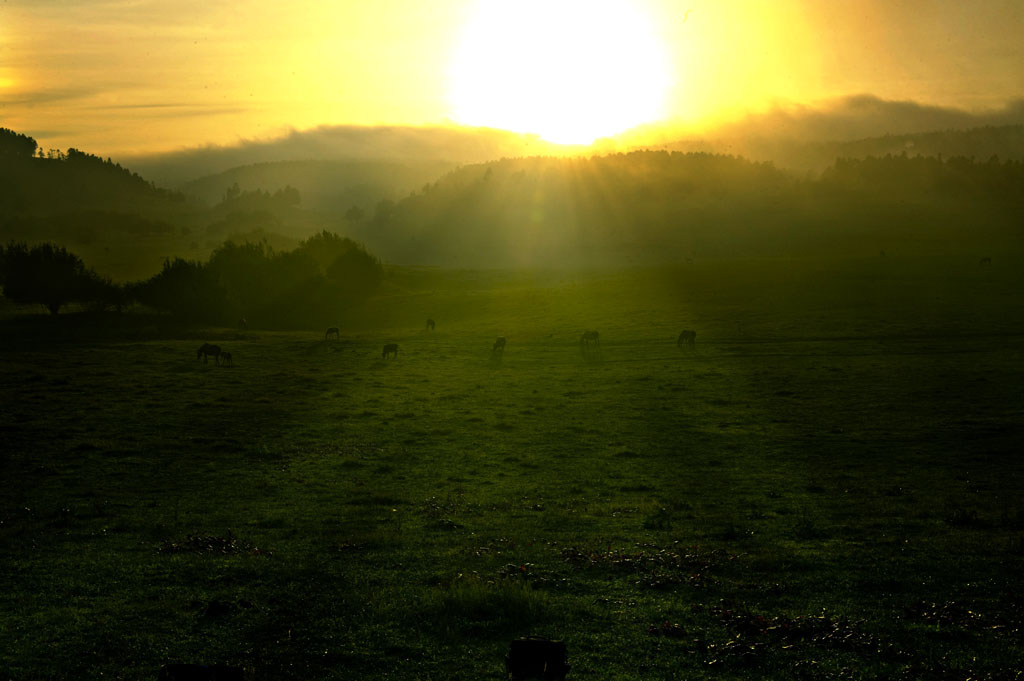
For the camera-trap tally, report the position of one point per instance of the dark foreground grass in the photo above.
(827, 486)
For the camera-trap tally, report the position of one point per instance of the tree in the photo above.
(231, 193)
(186, 289)
(16, 144)
(241, 269)
(325, 247)
(356, 273)
(107, 294)
(354, 214)
(288, 196)
(47, 274)
(383, 211)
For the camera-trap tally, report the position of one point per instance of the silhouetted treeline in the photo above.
(802, 150)
(70, 181)
(903, 175)
(325, 186)
(632, 208)
(16, 144)
(185, 289)
(318, 281)
(1006, 141)
(662, 206)
(554, 211)
(115, 217)
(50, 275)
(235, 198)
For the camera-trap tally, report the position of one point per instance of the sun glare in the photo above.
(570, 71)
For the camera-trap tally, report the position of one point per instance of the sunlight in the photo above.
(571, 71)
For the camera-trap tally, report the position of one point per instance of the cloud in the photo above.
(865, 115)
(810, 138)
(804, 137)
(34, 97)
(176, 110)
(50, 133)
(154, 105)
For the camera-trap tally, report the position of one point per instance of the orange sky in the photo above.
(132, 76)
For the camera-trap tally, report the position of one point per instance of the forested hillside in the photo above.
(617, 209)
(813, 142)
(660, 206)
(57, 181)
(325, 186)
(125, 225)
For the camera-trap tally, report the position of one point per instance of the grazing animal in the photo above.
(390, 349)
(205, 350)
(499, 344)
(243, 324)
(430, 324)
(688, 337)
(590, 337)
(985, 262)
(333, 331)
(226, 356)
(590, 346)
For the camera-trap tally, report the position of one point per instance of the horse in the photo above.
(688, 337)
(226, 356)
(333, 331)
(430, 324)
(205, 350)
(590, 346)
(499, 344)
(390, 349)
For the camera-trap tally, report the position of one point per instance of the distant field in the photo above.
(827, 486)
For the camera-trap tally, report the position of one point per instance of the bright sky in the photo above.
(133, 76)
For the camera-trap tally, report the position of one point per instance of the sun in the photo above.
(570, 71)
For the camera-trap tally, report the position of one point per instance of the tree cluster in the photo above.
(928, 177)
(16, 144)
(236, 199)
(63, 182)
(320, 279)
(53, 276)
(656, 206)
(569, 211)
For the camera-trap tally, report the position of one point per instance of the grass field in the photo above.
(827, 486)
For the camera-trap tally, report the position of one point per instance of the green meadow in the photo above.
(828, 485)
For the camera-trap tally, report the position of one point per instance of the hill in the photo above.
(801, 155)
(650, 206)
(540, 211)
(74, 181)
(327, 186)
(122, 224)
(374, 144)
